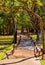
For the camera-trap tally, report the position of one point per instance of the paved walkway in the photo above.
(26, 61)
(25, 43)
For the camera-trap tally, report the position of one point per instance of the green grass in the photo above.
(42, 62)
(6, 38)
(4, 48)
(33, 36)
(2, 55)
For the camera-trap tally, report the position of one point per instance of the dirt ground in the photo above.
(22, 53)
(21, 57)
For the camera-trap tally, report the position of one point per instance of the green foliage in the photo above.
(23, 19)
(8, 11)
(1, 21)
(29, 4)
(42, 62)
(39, 3)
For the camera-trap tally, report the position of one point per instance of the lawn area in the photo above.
(5, 47)
(42, 62)
(6, 38)
(33, 36)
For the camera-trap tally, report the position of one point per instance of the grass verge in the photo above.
(42, 62)
(4, 48)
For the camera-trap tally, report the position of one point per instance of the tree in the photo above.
(9, 7)
(38, 17)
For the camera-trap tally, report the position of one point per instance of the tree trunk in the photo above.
(22, 30)
(3, 29)
(15, 32)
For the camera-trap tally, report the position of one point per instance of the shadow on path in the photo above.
(18, 61)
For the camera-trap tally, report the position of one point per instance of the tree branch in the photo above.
(33, 5)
